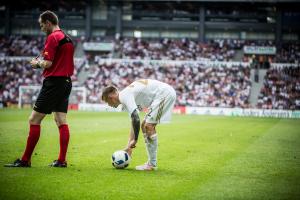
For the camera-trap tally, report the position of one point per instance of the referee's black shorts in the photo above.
(54, 95)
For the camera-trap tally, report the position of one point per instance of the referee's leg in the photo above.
(35, 120)
(64, 134)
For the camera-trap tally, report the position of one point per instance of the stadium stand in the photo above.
(207, 86)
(20, 45)
(170, 49)
(195, 84)
(281, 89)
(191, 31)
(288, 53)
(14, 73)
(17, 71)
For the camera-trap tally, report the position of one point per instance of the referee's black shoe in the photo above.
(57, 163)
(19, 163)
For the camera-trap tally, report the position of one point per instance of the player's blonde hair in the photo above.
(108, 90)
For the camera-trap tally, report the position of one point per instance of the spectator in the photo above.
(281, 89)
(195, 84)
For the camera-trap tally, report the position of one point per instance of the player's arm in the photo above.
(135, 120)
(135, 129)
(127, 99)
(131, 137)
(130, 140)
(134, 132)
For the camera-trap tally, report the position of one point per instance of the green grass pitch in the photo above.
(200, 157)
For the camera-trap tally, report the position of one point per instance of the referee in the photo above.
(57, 64)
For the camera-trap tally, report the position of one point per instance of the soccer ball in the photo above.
(120, 159)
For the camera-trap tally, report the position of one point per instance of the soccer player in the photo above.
(57, 64)
(158, 97)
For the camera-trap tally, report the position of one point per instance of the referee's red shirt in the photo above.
(61, 57)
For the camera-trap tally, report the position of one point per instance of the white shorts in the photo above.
(160, 110)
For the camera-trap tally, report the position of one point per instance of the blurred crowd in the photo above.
(14, 73)
(18, 72)
(195, 84)
(170, 49)
(163, 49)
(281, 89)
(288, 53)
(21, 46)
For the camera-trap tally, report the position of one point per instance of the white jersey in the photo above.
(141, 93)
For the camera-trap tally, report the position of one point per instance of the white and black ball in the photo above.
(120, 159)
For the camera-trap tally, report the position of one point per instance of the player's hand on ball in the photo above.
(132, 144)
(129, 151)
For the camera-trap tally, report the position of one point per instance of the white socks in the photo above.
(151, 146)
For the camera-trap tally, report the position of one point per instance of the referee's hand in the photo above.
(34, 63)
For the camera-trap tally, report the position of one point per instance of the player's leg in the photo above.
(35, 120)
(144, 129)
(151, 147)
(160, 111)
(166, 113)
(152, 118)
(150, 135)
(160, 115)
